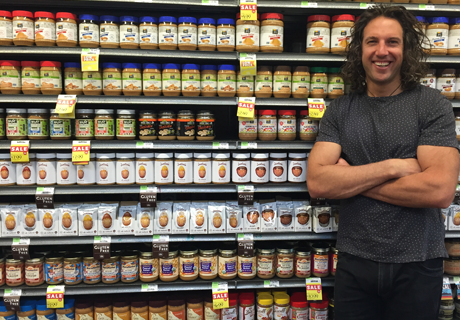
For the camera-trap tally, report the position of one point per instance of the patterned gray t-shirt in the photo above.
(373, 129)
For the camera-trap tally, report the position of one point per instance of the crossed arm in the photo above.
(426, 182)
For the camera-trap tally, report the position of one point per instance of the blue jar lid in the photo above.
(171, 66)
(439, 20)
(111, 65)
(191, 66)
(72, 65)
(227, 67)
(207, 21)
(208, 67)
(421, 19)
(129, 19)
(88, 17)
(27, 305)
(187, 20)
(151, 66)
(226, 21)
(131, 65)
(454, 20)
(168, 19)
(148, 19)
(109, 18)
(68, 303)
(41, 305)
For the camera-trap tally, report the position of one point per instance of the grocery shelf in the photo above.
(452, 234)
(293, 282)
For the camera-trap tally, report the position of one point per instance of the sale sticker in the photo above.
(19, 151)
(55, 297)
(220, 295)
(90, 59)
(246, 107)
(248, 9)
(248, 64)
(316, 108)
(314, 289)
(65, 106)
(80, 151)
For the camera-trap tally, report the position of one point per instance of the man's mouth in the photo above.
(382, 64)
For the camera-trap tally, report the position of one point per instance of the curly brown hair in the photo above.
(414, 64)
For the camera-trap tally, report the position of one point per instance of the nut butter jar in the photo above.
(10, 77)
(145, 173)
(129, 32)
(151, 79)
(103, 124)
(46, 169)
(84, 124)
(105, 168)
(88, 31)
(183, 168)
(23, 28)
(38, 124)
(167, 33)
(109, 32)
(66, 171)
(164, 173)
(186, 33)
(207, 34)
(225, 35)
(6, 28)
(30, 77)
(16, 124)
(111, 78)
(66, 29)
(45, 29)
(126, 124)
(50, 77)
(125, 168)
(148, 37)
(73, 78)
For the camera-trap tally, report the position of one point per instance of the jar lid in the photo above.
(227, 67)
(208, 251)
(30, 63)
(242, 156)
(207, 21)
(448, 72)
(304, 251)
(319, 69)
(168, 155)
(267, 112)
(105, 155)
(221, 155)
(246, 298)
(109, 18)
(284, 250)
(191, 66)
(126, 111)
(183, 155)
(298, 155)
(63, 155)
(16, 111)
(238, 15)
(209, 66)
(304, 112)
(302, 69)
(195, 300)
(113, 65)
(131, 65)
(144, 155)
(151, 66)
(187, 20)
(44, 14)
(205, 112)
(343, 17)
(72, 65)
(21, 13)
(146, 254)
(266, 251)
(189, 252)
(37, 110)
(88, 17)
(319, 17)
(176, 302)
(46, 155)
(227, 251)
(184, 112)
(226, 21)
(202, 155)
(319, 305)
(283, 69)
(157, 303)
(299, 300)
(5, 156)
(420, 19)
(129, 19)
(171, 66)
(12, 63)
(104, 111)
(265, 299)
(454, 20)
(79, 111)
(286, 112)
(266, 16)
(259, 155)
(148, 19)
(439, 20)
(103, 303)
(120, 303)
(278, 155)
(27, 305)
(282, 298)
(125, 155)
(6, 14)
(139, 304)
(55, 64)
(167, 19)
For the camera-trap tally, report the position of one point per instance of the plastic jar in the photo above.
(30, 77)
(308, 127)
(26, 172)
(446, 83)
(8, 170)
(195, 308)
(45, 29)
(225, 35)
(72, 270)
(38, 124)
(92, 83)
(105, 168)
(206, 34)
(266, 262)
(247, 265)
(46, 169)
(129, 32)
(268, 126)
(285, 262)
(264, 82)
(205, 125)
(145, 171)
(111, 269)
(282, 82)
(88, 31)
(302, 265)
(185, 125)
(140, 310)
(319, 82)
(202, 168)
(86, 174)
(126, 124)
(221, 168)
(148, 125)
(14, 272)
(438, 34)
(10, 77)
(271, 32)
(68, 311)
(6, 28)
(66, 29)
(169, 267)
(429, 80)
(148, 267)
(73, 78)
(50, 77)
(232, 311)
(287, 125)
(208, 80)
(166, 125)
(318, 310)
(299, 306)
(226, 81)
(247, 128)
(66, 173)
(111, 78)
(190, 80)
(244, 85)
(264, 306)
(109, 31)
(183, 168)
(260, 166)
(84, 310)
(341, 32)
(170, 78)
(164, 168)
(282, 306)
(187, 33)
(16, 124)
(241, 168)
(167, 33)
(103, 124)
(188, 264)
(125, 168)
(26, 310)
(60, 129)
(301, 82)
(129, 267)
(84, 124)
(246, 309)
(54, 269)
(320, 260)
(247, 34)
(278, 167)
(91, 270)
(227, 264)
(297, 167)
(336, 85)
(148, 33)
(318, 32)
(207, 264)
(23, 28)
(151, 79)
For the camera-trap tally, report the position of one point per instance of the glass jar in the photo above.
(66, 29)
(208, 80)
(126, 124)
(166, 125)
(438, 34)
(37, 124)
(287, 123)
(106, 168)
(129, 32)
(336, 85)
(86, 174)
(73, 78)
(318, 310)
(88, 31)
(46, 169)
(278, 167)
(446, 83)
(170, 79)
(187, 33)
(264, 82)
(285, 262)
(66, 171)
(341, 32)
(103, 124)
(260, 168)
(207, 265)
(169, 267)
(8, 170)
(206, 34)
(111, 269)
(73, 270)
(319, 82)
(10, 77)
(2, 124)
(2, 268)
(129, 267)
(244, 85)
(125, 168)
(188, 264)
(247, 34)
(148, 38)
(301, 82)
(205, 125)
(318, 33)
(308, 127)
(145, 168)
(26, 173)
(221, 168)
(23, 28)
(266, 261)
(282, 82)
(164, 168)
(247, 128)
(30, 77)
(183, 168)
(185, 125)
(320, 260)
(14, 272)
(148, 267)
(6, 38)
(225, 35)
(91, 270)
(109, 31)
(297, 167)
(202, 168)
(302, 264)
(267, 129)
(227, 264)
(111, 78)
(167, 33)
(226, 81)
(247, 265)
(50, 77)
(16, 124)
(60, 128)
(148, 125)
(84, 124)
(54, 269)
(190, 80)
(92, 83)
(271, 32)
(151, 79)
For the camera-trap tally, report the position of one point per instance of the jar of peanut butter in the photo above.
(89, 31)
(191, 80)
(50, 77)
(226, 81)
(6, 28)
(126, 124)
(264, 82)
(109, 31)
(66, 29)
(129, 32)
(208, 80)
(111, 78)
(151, 79)
(73, 78)
(23, 28)
(206, 34)
(45, 29)
(132, 79)
(103, 124)
(16, 124)
(271, 32)
(301, 82)
(438, 34)
(10, 77)
(318, 33)
(319, 82)
(167, 33)
(186, 33)
(282, 82)
(446, 83)
(170, 79)
(92, 83)
(148, 33)
(225, 35)
(453, 47)
(38, 124)
(244, 85)
(336, 85)
(247, 34)
(341, 32)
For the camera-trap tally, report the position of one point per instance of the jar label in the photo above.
(229, 313)
(72, 272)
(186, 127)
(454, 39)
(188, 267)
(109, 33)
(31, 317)
(152, 81)
(299, 314)
(334, 262)
(309, 126)
(60, 128)
(221, 173)
(320, 264)
(247, 35)
(278, 170)
(264, 83)
(110, 271)
(248, 126)
(91, 271)
(267, 126)
(139, 316)
(54, 272)
(108, 315)
(125, 172)
(300, 84)
(240, 171)
(67, 316)
(84, 128)
(205, 127)
(206, 36)
(126, 128)
(46, 172)
(66, 31)
(190, 82)
(112, 80)
(208, 266)
(30, 79)
(285, 265)
(163, 171)
(438, 38)
(208, 82)
(167, 34)
(171, 81)
(281, 312)
(106, 172)
(260, 172)
(340, 37)
(10, 79)
(318, 84)
(297, 171)
(227, 266)
(265, 266)
(12, 317)
(271, 36)
(429, 82)
(225, 36)
(446, 84)
(6, 29)
(336, 85)
(265, 313)
(148, 34)
(158, 316)
(318, 314)
(129, 270)
(211, 314)
(145, 172)
(318, 38)
(50, 79)
(14, 274)
(282, 84)
(244, 83)
(66, 172)
(89, 32)
(38, 127)
(148, 268)
(183, 171)
(166, 127)
(92, 81)
(246, 313)
(129, 34)
(247, 266)
(303, 266)
(457, 127)
(226, 82)
(286, 126)
(23, 30)
(16, 127)
(104, 128)
(147, 127)
(195, 314)
(187, 34)
(73, 80)
(45, 30)
(169, 268)
(202, 171)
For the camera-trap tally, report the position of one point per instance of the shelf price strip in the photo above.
(271, 283)
(11, 299)
(446, 289)
(149, 287)
(248, 145)
(65, 106)
(220, 295)
(90, 59)
(248, 9)
(314, 289)
(210, 2)
(55, 297)
(81, 152)
(19, 151)
(308, 4)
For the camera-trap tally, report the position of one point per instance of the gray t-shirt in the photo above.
(373, 129)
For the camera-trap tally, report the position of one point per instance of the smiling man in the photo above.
(389, 151)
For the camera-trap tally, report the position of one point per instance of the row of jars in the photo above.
(445, 81)
(101, 124)
(443, 35)
(186, 262)
(46, 169)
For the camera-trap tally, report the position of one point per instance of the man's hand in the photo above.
(407, 167)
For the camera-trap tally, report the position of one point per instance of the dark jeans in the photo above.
(369, 290)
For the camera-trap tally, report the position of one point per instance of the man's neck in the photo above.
(391, 89)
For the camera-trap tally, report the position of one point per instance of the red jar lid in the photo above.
(66, 15)
(238, 16)
(267, 112)
(304, 112)
(30, 64)
(343, 17)
(12, 63)
(20, 13)
(286, 112)
(246, 298)
(44, 14)
(5, 14)
(319, 17)
(233, 299)
(55, 64)
(266, 16)
(320, 305)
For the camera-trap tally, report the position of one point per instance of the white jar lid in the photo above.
(243, 156)
(221, 155)
(259, 155)
(46, 155)
(84, 111)
(278, 155)
(183, 155)
(298, 155)
(64, 155)
(144, 155)
(37, 111)
(202, 155)
(5, 156)
(32, 155)
(15, 110)
(125, 111)
(125, 155)
(104, 111)
(105, 155)
(163, 155)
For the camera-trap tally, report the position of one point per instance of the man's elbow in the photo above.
(315, 190)
(442, 199)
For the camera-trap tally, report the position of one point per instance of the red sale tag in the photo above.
(316, 108)
(246, 107)
(314, 289)
(55, 296)
(80, 152)
(65, 106)
(248, 10)
(19, 151)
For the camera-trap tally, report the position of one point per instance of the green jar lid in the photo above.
(334, 70)
(319, 69)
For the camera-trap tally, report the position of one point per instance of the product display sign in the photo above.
(245, 195)
(44, 197)
(314, 289)
(160, 246)
(90, 59)
(245, 244)
(81, 152)
(11, 299)
(316, 108)
(220, 295)
(446, 289)
(55, 297)
(101, 247)
(65, 106)
(19, 151)
(246, 107)
(248, 9)
(248, 64)
(148, 197)
(20, 248)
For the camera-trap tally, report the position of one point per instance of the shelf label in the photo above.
(160, 246)
(65, 106)
(426, 7)
(144, 145)
(446, 289)
(81, 151)
(271, 284)
(210, 2)
(246, 107)
(11, 299)
(316, 108)
(149, 287)
(19, 151)
(248, 9)
(148, 196)
(220, 295)
(20, 248)
(318, 202)
(245, 195)
(44, 197)
(248, 64)
(55, 297)
(314, 289)
(248, 145)
(190, 238)
(220, 145)
(245, 244)
(101, 247)
(90, 59)
(308, 4)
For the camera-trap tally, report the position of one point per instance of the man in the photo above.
(389, 151)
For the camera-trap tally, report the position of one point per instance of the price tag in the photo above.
(245, 195)
(446, 289)
(11, 299)
(65, 106)
(271, 284)
(101, 247)
(148, 197)
(308, 4)
(44, 197)
(90, 59)
(220, 295)
(55, 297)
(19, 151)
(316, 108)
(363, 5)
(20, 248)
(245, 243)
(314, 289)
(144, 145)
(80, 151)
(318, 202)
(248, 64)
(248, 145)
(427, 7)
(246, 107)
(220, 145)
(149, 287)
(160, 246)
(210, 2)
(248, 9)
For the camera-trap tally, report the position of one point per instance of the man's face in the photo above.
(383, 51)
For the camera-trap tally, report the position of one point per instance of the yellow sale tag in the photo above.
(316, 108)
(19, 151)
(248, 10)
(90, 59)
(220, 295)
(248, 64)
(314, 289)
(246, 107)
(55, 297)
(65, 106)
(80, 152)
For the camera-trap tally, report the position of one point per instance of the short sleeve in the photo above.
(438, 124)
(329, 126)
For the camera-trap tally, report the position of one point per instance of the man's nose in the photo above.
(382, 48)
